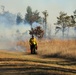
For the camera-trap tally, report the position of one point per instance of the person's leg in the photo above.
(34, 49)
(31, 49)
(36, 46)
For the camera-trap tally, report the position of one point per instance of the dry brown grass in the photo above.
(20, 63)
(56, 48)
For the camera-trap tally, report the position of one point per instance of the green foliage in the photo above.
(66, 21)
(31, 16)
(61, 19)
(28, 14)
(45, 20)
(45, 16)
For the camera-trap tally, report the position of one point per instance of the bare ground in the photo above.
(17, 63)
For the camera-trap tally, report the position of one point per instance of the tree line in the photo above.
(63, 21)
(31, 17)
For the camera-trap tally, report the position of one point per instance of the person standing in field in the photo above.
(33, 44)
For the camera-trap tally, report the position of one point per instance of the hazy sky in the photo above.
(52, 6)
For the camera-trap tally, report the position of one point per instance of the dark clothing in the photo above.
(32, 49)
(33, 45)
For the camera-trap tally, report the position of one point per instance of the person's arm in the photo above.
(30, 41)
(36, 44)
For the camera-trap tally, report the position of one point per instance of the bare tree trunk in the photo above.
(45, 25)
(31, 29)
(68, 33)
(63, 30)
(45, 29)
(63, 33)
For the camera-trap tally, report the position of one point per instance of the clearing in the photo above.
(20, 63)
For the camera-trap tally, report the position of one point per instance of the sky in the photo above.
(53, 7)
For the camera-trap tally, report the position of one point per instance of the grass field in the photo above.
(58, 48)
(55, 48)
(54, 57)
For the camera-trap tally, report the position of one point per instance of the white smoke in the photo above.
(10, 33)
(53, 33)
(69, 33)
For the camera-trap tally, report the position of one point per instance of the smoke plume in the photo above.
(10, 33)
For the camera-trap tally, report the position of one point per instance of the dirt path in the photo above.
(12, 63)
